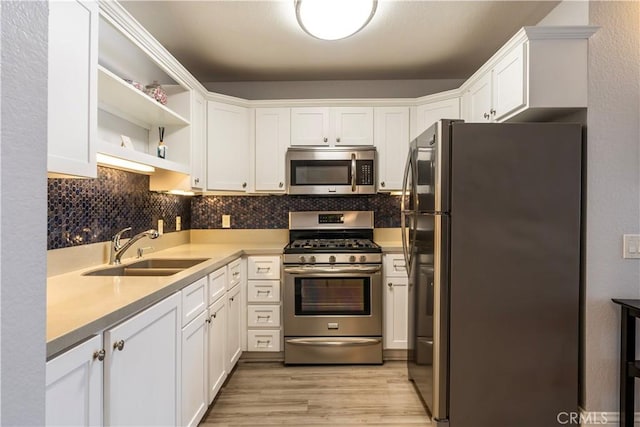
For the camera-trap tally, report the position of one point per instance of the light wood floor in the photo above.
(269, 394)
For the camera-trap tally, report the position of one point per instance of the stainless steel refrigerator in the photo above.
(491, 217)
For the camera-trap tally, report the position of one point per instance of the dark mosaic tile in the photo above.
(89, 211)
(272, 212)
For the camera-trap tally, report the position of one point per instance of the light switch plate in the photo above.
(178, 223)
(226, 221)
(631, 246)
(160, 227)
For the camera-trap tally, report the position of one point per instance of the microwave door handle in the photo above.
(353, 172)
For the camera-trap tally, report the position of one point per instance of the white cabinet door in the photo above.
(234, 326)
(74, 386)
(217, 284)
(479, 98)
(142, 373)
(217, 337)
(392, 144)
(227, 147)
(310, 126)
(396, 306)
(352, 126)
(430, 113)
(72, 89)
(195, 385)
(509, 88)
(198, 143)
(273, 136)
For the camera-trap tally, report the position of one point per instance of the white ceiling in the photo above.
(235, 40)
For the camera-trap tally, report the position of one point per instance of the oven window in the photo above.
(333, 296)
(325, 172)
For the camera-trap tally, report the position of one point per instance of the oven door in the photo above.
(332, 301)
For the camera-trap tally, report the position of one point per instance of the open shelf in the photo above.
(140, 157)
(123, 100)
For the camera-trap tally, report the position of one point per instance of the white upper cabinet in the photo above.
(198, 142)
(273, 135)
(392, 144)
(72, 97)
(332, 126)
(538, 71)
(430, 112)
(227, 147)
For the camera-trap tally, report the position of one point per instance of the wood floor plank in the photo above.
(270, 394)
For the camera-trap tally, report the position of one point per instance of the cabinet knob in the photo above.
(231, 299)
(214, 315)
(493, 112)
(486, 116)
(337, 139)
(208, 320)
(197, 180)
(244, 185)
(382, 184)
(326, 139)
(390, 285)
(118, 345)
(281, 184)
(99, 355)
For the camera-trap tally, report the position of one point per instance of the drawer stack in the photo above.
(264, 328)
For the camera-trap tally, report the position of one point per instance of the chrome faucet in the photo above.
(117, 250)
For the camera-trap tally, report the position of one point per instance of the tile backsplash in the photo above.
(83, 211)
(258, 212)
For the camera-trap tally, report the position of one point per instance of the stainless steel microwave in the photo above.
(331, 170)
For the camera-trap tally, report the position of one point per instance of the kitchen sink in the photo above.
(149, 267)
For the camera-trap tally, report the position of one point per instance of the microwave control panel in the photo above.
(364, 172)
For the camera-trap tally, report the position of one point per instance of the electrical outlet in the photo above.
(631, 246)
(160, 227)
(226, 221)
(178, 223)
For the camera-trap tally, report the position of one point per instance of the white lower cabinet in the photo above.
(142, 373)
(264, 332)
(396, 302)
(217, 337)
(74, 386)
(234, 326)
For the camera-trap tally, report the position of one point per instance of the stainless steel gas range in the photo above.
(332, 289)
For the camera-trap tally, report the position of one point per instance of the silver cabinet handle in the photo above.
(258, 342)
(208, 319)
(263, 317)
(492, 111)
(118, 345)
(99, 355)
(326, 139)
(382, 184)
(260, 291)
(232, 299)
(259, 269)
(244, 185)
(337, 139)
(236, 274)
(390, 285)
(214, 315)
(486, 116)
(197, 180)
(281, 184)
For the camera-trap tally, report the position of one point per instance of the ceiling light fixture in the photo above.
(119, 163)
(334, 19)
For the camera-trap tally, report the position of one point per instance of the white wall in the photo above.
(568, 12)
(23, 137)
(613, 191)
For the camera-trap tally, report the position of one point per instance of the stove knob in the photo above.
(363, 258)
(302, 260)
(352, 258)
(332, 259)
(312, 259)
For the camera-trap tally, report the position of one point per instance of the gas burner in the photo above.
(339, 244)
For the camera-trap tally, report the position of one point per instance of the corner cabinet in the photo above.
(272, 138)
(430, 112)
(538, 71)
(142, 374)
(337, 126)
(74, 386)
(72, 89)
(391, 139)
(227, 147)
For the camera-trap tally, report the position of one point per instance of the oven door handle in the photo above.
(334, 342)
(339, 270)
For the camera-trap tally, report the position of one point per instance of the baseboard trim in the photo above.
(393, 354)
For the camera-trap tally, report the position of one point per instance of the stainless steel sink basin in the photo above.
(149, 267)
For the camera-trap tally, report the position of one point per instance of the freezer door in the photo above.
(428, 311)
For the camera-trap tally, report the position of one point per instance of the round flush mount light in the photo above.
(334, 19)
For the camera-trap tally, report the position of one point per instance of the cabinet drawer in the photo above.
(194, 300)
(263, 340)
(217, 284)
(267, 316)
(264, 291)
(235, 272)
(394, 266)
(264, 267)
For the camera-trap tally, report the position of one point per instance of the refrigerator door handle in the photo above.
(403, 219)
